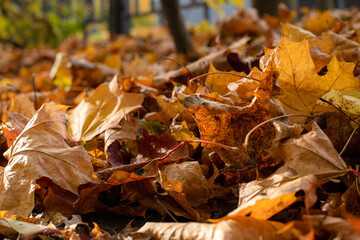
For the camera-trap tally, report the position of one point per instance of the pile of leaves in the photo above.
(257, 139)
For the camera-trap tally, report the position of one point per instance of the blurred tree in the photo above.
(119, 19)
(25, 23)
(326, 4)
(175, 22)
(268, 7)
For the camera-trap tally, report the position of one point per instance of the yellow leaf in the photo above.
(300, 83)
(113, 61)
(295, 33)
(348, 101)
(219, 82)
(101, 111)
(322, 22)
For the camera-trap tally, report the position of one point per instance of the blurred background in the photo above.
(28, 23)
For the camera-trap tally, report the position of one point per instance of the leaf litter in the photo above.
(157, 150)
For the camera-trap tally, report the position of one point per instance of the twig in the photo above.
(162, 205)
(34, 87)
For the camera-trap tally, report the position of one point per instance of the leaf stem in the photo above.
(34, 88)
(162, 205)
(171, 59)
(347, 142)
(356, 173)
(229, 73)
(340, 110)
(197, 141)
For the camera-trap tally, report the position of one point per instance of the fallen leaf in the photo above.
(227, 124)
(186, 184)
(321, 22)
(154, 146)
(103, 110)
(348, 101)
(187, 174)
(242, 228)
(337, 45)
(126, 130)
(219, 82)
(331, 226)
(263, 199)
(28, 230)
(169, 108)
(300, 83)
(41, 151)
(310, 153)
(22, 105)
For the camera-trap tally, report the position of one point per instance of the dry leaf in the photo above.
(326, 226)
(103, 110)
(41, 151)
(186, 184)
(242, 228)
(320, 23)
(263, 199)
(300, 83)
(219, 82)
(310, 153)
(348, 101)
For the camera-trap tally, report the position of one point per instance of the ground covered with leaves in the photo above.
(253, 137)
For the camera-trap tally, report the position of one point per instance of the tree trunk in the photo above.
(119, 19)
(171, 10)
(270, 7)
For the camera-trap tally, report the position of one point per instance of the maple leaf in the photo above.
(41, 151)
(103, 110)
(227, 124)
(300, 83)
(329, 42)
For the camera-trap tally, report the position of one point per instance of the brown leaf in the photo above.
(227, 124)
(154, 146)
(331, 226)
(310, 153)
(186, 184)
(125, 130)
(40, 151)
